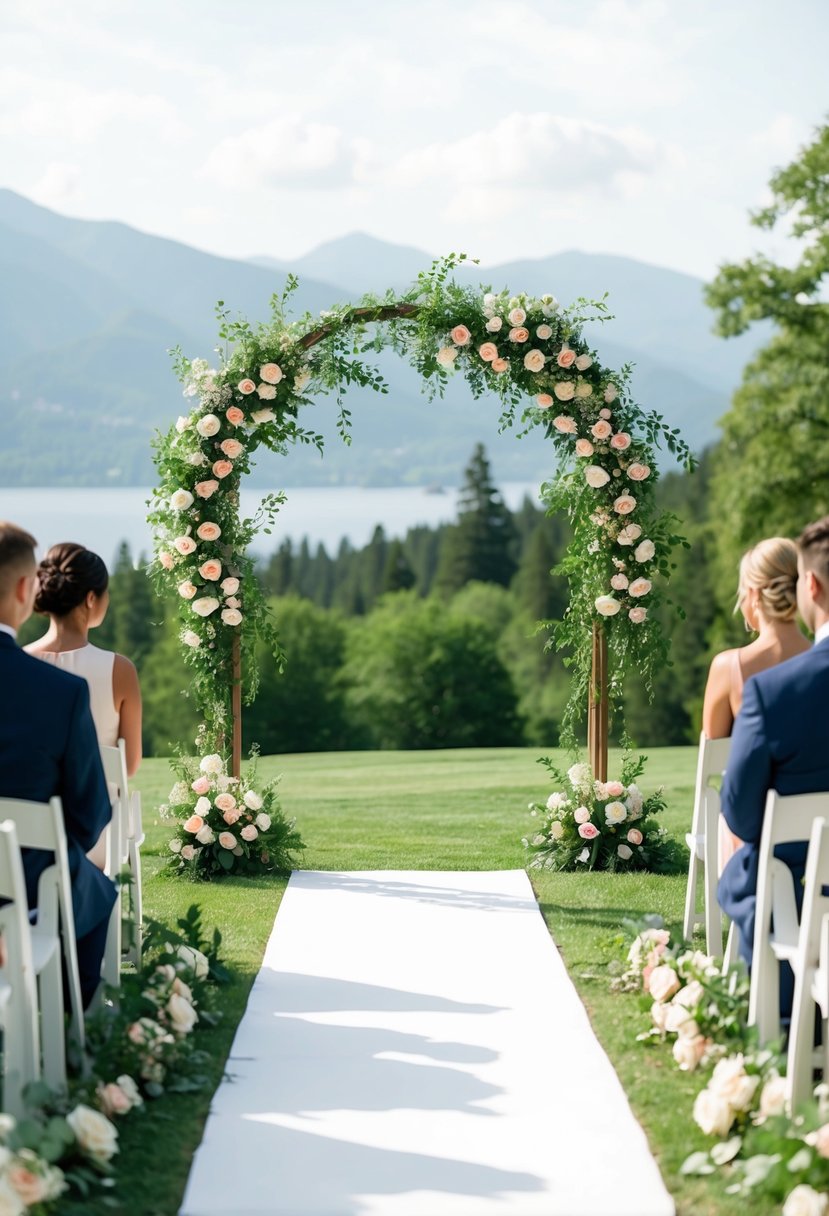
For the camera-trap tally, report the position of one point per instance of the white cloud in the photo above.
(59, 185)
(287, 152)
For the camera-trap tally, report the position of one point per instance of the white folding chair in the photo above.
(125, 851)
(702, 840)
(40, 826)
(811, 972)
(786, 821)
(18, 991)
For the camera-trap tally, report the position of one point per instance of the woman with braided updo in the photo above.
(767, 598)
(73, 589)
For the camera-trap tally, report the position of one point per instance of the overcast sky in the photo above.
(511, 129)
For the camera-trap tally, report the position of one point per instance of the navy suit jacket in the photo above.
(780, 741)
(48, 746)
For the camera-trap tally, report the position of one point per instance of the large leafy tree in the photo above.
(772, 470)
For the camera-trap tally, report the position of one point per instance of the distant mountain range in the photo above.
(89, 310)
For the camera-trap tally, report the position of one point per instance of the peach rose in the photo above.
(208, 531)
(565, 424)
(246, 387)
(620, 441)
(583, 362)
(271, 373)
(249, 833)
(544, 332)
(222, 468)
(205, 489)
(488, 351)
(619, 582)
(635, 836)
(639, 587)
(601, 429)
(29, 1187)
(234, 415)
(519, 334)
(194, 824)
(231, 616)
(584, 447)
(566, 357)
(187, 589)
(500, 366)
(201, 785)
(230, 817)
(205, 605)
(544, 401)
(638, 472)
(165, 560)
(565, 390)
(185, 545)
(460, 335)
(227, 840)
(232, 448)
(624, 504)
(534, 360)
(517, 316)
(229, 585)
(211, 569)
(663, 983)
(493, 325)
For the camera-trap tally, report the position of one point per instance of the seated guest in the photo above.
(779, 742)
(48, 746)
(73, 589)
(767, 598)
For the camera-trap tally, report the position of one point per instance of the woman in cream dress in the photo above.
(767, 598)
(73, 591)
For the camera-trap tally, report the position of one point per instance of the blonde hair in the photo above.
(771, 568)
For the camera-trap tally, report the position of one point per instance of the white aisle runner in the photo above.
(413, 1046)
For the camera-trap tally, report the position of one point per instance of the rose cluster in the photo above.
(596, 824)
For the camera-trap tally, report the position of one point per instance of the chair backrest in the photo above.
(789, 819)
(712, 758)
(14, 916)
(114, 760)
(815, 903)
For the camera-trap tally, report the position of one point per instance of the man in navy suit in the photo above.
(780, 741)
(48, 746)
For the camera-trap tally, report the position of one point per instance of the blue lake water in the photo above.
(102, 518)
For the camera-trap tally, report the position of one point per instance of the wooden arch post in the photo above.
(597, 706)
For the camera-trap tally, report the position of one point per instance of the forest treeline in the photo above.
(429, 640)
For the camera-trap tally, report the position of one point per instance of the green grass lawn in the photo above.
(425, 810)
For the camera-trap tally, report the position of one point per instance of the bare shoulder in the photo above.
(124, 673)
(721, 665)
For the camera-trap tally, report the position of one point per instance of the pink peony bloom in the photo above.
(460, 335)
(205, 489)
(588, 831)
(488, 351)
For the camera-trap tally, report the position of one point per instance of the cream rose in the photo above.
(615, 812)
(712, 1114)
(583, 389)
(517, 316)
(624, 504)
(208, 426)
(252, 800)
(688, 1051)
(534, 360)
(544, 332)
(246, 387)
(773, 1098)
(181, 500)
(271, 373)
(96, 1136)
(493, 325)
(263, 822)
(187, 589)
(446, 356)
(206, 835)
(663, 983)
(231, 616)
(565, 390)
(265, 392)
(644, 551)
(225, 802)
(261, 416)
(638, 472)
(639, 587)
(565, 424)
(596, 476)
(629, 534)
(584, 447)
(583, 362)
(581, 814)
(212, 764)
(804, 1200)
(227, 840)
(606, 605)
(183, 1016)
(731, 1082)
(556, 830)
(205, 605)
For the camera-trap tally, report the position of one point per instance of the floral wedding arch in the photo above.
(531, 354)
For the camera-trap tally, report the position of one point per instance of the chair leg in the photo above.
(691, 917)
(801, 1035)
(732, 949)
(73, 980)
(52, 1027)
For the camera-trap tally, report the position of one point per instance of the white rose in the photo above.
(616, 812)
(11, 1203)
(583, 362)
(208, 425)
(517, 316)
(624, 851)
(731, 1082)
(190, 639)
(494, 324)
(194, 960)
(96, 1136)
(175, 846)
(773, 1097)
(183, 1016)
(446, 356)
(212, 764)
(606, 605)
(687, 1051)
(205, 605)
(544, 332)
(266, 392)
(252, 800)
(644, 551)
(596, 476)
(629, 534)
(181, 500)
(805, 1201)
(129, 1087)
(578, 774)
(197, 459)
(260, 416)
(556, 829)
(712, 1114)
(231, 616)
(263, 822)
(205, 835)
(182, 424)
(565, 390)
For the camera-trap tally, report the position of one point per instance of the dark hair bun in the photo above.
(65, 577)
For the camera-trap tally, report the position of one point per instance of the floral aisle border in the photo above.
(531, 353)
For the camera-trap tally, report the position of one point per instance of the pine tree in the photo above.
(398, 574)
(482, 545)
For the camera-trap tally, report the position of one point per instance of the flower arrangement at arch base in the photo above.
(600, 825)
(226, 824)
